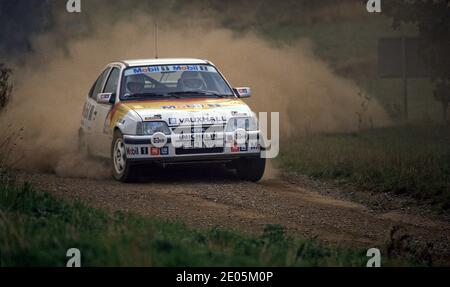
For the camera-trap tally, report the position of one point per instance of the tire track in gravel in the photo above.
(204, 199)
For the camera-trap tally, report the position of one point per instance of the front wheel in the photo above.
(250, 169)
(122, 168)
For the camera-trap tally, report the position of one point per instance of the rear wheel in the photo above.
(123, 170)
(250, 169)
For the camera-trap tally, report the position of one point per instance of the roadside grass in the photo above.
(37, 229)
(412, 160)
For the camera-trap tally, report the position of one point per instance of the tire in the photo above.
(250, 169)
(123, 170)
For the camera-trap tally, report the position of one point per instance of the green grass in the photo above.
(37, 229)
(413, 160)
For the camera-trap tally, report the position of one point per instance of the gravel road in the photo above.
(204, 198)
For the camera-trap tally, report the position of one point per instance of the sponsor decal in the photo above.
(240, 136)
(144, 150)
(194, 106)
(132, 151)
(165, 151)
(209, 141)
(201, 119)
(254, 147)
(154, 151)
(179, 103)
(172, 121)
(185, 137)
(238, 114)
(242, 91)
(153, 118)
(168, 69)
(186, 68)
(105, 97)
(235, 149)
(159, 140)
(214, 105)
(146, 70)
(196, 130)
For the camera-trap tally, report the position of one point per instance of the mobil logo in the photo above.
(143, 70)
(185, 68)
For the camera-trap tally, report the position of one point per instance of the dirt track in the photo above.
(204, 199)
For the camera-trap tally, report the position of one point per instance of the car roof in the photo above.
(168, 61)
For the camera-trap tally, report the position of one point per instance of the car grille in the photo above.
(200, 129)
(182, 151)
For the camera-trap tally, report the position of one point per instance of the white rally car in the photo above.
(169, 111)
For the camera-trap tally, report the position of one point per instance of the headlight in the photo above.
(150, 128)
(248, 124)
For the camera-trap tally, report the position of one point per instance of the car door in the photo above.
(88, 113)
(101, 122)
(92, 107)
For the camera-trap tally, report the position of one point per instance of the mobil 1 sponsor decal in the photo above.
(131, 151)
(168, 68)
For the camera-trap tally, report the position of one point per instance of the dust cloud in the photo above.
(52, 85)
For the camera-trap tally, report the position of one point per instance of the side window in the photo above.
(113, 81)
(99, 84)
(91, 91)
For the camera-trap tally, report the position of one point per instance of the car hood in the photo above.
(190, 111)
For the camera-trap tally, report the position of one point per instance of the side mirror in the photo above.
(106, 98)
(243, 92)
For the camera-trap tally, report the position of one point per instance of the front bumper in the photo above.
(140, 149)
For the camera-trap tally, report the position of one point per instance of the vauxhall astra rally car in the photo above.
(169, 111)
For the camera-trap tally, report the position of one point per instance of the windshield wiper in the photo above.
(197, 93)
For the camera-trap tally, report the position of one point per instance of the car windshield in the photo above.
(179, 81)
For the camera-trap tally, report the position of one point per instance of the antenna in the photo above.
(156, 40)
